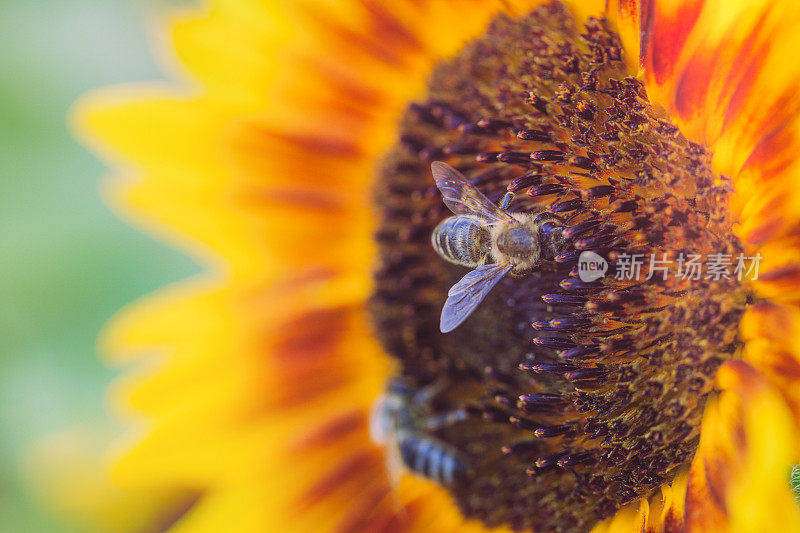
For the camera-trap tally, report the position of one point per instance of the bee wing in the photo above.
(462, 197)
(465, 296)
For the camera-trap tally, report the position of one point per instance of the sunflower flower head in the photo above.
(649, 138)
(580, 396)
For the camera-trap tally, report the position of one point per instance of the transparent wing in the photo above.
(462, 197)
(465, 296)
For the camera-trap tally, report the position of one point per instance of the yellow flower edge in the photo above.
(267, 151)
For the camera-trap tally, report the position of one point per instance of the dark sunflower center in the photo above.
(572, 397)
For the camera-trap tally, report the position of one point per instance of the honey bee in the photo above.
(487, 238)
(403, 421)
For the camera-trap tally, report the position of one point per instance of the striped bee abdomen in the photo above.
(463, 240)
(432, 459)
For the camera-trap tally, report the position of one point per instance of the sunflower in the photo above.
(294, 161)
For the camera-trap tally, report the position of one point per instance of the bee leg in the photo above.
(506, 201)
(544, 216)
(444, 420)
(424, 395)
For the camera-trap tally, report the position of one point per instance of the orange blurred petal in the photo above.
(739, 477)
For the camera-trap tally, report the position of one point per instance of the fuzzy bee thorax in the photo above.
(516, 244)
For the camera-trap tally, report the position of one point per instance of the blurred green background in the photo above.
(66, 263)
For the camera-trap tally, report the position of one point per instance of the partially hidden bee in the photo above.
(487, 238)
(404, 422)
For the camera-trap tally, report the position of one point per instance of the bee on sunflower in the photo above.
(304, 383)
